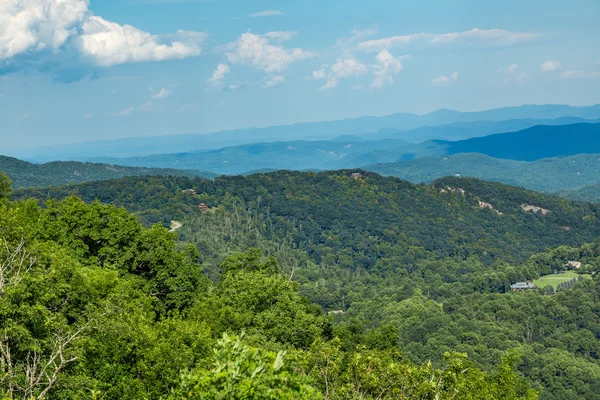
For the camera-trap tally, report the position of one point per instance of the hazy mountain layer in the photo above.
(143, 146)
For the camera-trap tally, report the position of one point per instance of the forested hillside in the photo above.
(94, 306)
(424, 268)
(24, 174)
(550, 175)
(293, 155)
(533, 143)
(589, 193)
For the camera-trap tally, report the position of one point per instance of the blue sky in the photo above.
(76, 71)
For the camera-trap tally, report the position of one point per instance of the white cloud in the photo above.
(550, 66)
(522, 78)
(580, 74)
(320, 74)
(280, 35)
(509, 69)
(147, 106)
(343, 68)
(256, 51)
(510, 72)
(266, 13)
(125, 112)
(237, 85)
(35, 25)
(86, 116)
(108, 43)
(274, 81)
(161, 94)
(31, 26)
(443, 80)
(483, 37)
(358, 32)
(387, 66)
(218, 75)
(346, 46)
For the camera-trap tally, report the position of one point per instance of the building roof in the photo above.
(522, 285)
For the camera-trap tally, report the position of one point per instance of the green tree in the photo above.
(241, 372)
(5, 186)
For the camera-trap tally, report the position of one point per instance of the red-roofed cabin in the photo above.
(203, 207)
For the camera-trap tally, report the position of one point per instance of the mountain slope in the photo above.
(466, 130)
(24, 174)
(322, 201)
(590, 193)
(545, 175)
(533, 143)
(295, 155)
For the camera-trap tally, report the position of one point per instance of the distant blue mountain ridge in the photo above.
(441, 124)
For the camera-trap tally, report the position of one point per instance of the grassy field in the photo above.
(554, 280)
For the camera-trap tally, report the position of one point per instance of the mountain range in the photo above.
(398, 125)
(350, 151)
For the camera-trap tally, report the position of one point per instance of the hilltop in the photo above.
(25, 174)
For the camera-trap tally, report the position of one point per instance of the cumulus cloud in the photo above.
(108, 43)
(258, 52)
(320, 74)
(579, 74)
(217, 76)
(386, 68)
(161, 94)
(479, 37)
(36, 25)
(274, 81)
(550, 66)
(445, 80)
(29, 27)
(509, 69)
(266, 13)
(343, 68)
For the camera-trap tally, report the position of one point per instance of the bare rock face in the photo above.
(535, 209)
(483, 204)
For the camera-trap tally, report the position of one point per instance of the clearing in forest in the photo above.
(555, 279)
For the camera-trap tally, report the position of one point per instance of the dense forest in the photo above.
(561, 175)
(404, 273)
(24, 174)
(93, 305)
